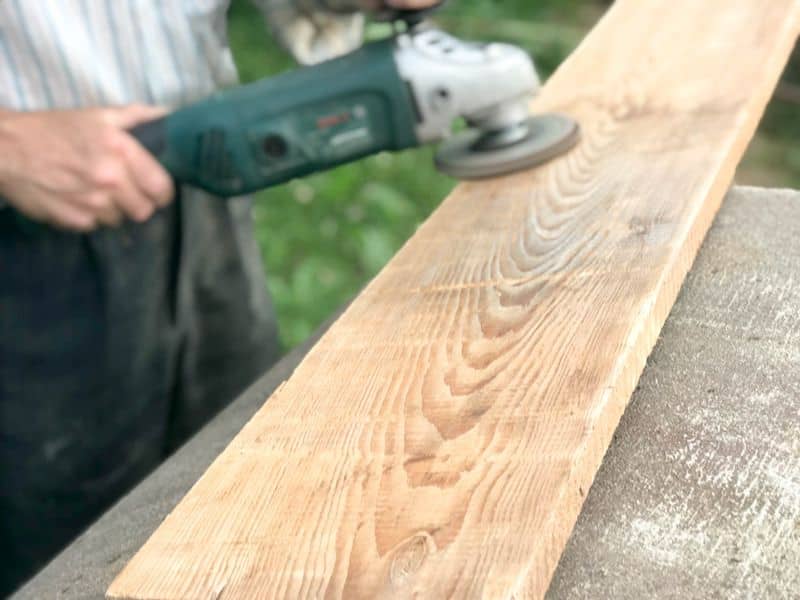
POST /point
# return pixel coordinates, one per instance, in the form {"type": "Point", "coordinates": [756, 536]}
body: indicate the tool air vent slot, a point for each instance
{"type": "Point", "coordinates": [213, 157]}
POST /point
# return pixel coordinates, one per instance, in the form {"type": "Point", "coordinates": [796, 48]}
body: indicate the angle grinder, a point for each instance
{"type": "Point", "coordinates": [396, 93]}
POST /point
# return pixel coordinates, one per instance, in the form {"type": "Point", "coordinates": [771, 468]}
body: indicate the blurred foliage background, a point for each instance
{"type": "Point", "coordinates": [325, 236]}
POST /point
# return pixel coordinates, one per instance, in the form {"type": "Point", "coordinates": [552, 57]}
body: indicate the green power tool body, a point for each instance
{"type": "Point", "coordinates": [393, 94]}
{"type": "Point", "coordinates": [308, 120]}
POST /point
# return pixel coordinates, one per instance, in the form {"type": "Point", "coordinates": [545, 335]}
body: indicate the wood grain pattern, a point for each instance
{"type": "Point", "coordinates": [438, 441]}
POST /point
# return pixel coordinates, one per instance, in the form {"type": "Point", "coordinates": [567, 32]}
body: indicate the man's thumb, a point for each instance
{"type": "Point", "coordinates": [132, 115]}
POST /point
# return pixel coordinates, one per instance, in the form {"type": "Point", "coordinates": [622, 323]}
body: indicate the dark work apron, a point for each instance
{"type": "Point", "coordinates": [115, 346]}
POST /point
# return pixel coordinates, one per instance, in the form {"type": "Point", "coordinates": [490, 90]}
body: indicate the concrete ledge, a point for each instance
{"type": "Point", "coordinates": [699, 495]}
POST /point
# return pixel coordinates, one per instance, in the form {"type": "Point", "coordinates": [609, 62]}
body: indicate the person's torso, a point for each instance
{"type": "Point", "coordinates": [78, 53]}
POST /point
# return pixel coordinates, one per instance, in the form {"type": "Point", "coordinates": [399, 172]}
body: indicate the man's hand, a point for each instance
{"type": "Point", "coordinates": [79, 169]}
{"type": "Point", "coordinates": [318, 30]}
{"type": "Point", "coordinates": [411, 4]}
{"type": "Point", "coordinates": [379, 5]}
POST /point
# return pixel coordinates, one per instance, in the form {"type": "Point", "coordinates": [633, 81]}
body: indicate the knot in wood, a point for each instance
{"type": "Point", "coordinates": [409, 557]}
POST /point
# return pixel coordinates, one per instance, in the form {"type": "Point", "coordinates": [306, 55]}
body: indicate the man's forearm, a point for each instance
{"type": "Point", "coordinates": [6, 148]}
{"type": "Point", "coordinates": [4, 114]}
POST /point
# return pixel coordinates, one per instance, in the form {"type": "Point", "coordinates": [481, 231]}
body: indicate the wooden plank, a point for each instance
{"type": "Point", "coordinates": [440, 438]}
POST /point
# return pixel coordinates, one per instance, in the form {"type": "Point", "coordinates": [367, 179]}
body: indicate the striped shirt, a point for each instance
{"type": "Point", "coordinates": [78, 53]}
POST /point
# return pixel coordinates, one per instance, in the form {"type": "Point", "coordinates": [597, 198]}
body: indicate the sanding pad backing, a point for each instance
{"type": "Point", "coordinates": [467, 156]}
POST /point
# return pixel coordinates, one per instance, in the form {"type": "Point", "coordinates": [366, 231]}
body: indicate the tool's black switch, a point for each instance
{"type": "Point", "coordinates": [275, 146]}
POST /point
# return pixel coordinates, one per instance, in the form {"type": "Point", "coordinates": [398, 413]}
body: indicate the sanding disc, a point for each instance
{"type": "Point", "coordinates": [475, 154]}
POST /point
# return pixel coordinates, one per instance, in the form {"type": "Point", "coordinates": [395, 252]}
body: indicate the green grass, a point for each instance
{"type": "Point", "coordinates": [325, 236]}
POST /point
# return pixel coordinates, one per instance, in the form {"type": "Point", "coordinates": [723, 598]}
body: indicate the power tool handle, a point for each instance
{"type": "Point", "coordinates": [152, 135]}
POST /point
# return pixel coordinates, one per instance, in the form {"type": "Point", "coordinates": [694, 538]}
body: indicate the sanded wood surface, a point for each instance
{"type": "Point", "coordinates": [440, 438]}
